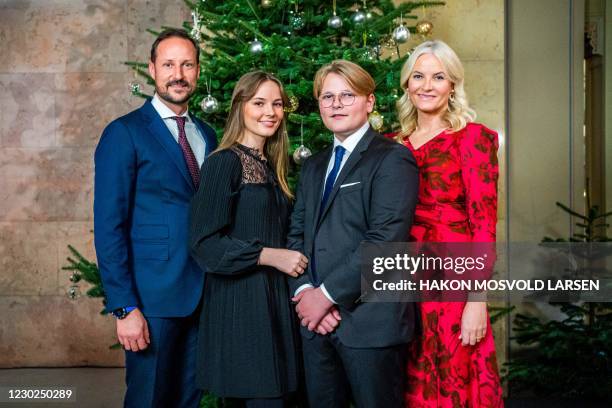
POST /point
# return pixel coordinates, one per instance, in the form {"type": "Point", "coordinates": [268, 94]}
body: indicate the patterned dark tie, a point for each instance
{"type": "Point", "coordinates": [190, 159]}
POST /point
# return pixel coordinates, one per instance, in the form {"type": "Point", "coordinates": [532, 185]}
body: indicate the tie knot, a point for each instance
{"type": "Point", "coordinates": [180, 120]}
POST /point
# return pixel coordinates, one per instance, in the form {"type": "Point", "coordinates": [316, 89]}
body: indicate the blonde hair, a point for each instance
{"type": "Point", "coordinates": [458, 113]}
{"type": "Point", "coordinates": [358, 78]}
{"type": "Point", "coordinates": [277, 145]}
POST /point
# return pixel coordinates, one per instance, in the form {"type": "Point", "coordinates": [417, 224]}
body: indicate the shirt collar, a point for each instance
{"type": "Point", "coordinates": [164, 111]}
{"type": "Point", "coordinates": [351, 142]}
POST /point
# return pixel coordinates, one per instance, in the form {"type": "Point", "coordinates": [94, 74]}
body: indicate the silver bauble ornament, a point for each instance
{"type": "Point", "coordinates": [255, 47]}
{"type": "Point", "coordinates": [209, 104]}
{"type": "Point", "coordinates": [359, 17]}
{"type": "Point", "coordinates": [267, 3]}
{"type": "Point", "coordinates": [301, 153]}
{"type": "Point", "coordinates": [376, 120]}
{"type": "Point", "coordinates": [334, 22]}
{"type": "Point", "coordinates": [401, 34]}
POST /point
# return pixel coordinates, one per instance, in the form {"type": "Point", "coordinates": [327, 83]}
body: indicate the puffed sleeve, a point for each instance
{"type": "Point", "coordinates": [480, 171]}
{"type": "Point", "coordinates": [212, 246]}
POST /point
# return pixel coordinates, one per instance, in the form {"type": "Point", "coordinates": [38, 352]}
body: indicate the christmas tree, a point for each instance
{"type": "Point", "coordinates": [292, 39]}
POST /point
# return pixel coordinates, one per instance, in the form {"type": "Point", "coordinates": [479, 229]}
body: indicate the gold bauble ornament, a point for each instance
{"type": "Point", "coordinates": [424, 27]}
{"type": "Point", "coordinates": [267, 3]}
{"type": "Point", "coordinates": [376, 120]}
{"type": "Point", "coordinates": [294, 104]}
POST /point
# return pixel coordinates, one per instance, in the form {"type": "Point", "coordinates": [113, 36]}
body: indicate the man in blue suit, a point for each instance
{"type": "Point", "coordinates": [147, 168]}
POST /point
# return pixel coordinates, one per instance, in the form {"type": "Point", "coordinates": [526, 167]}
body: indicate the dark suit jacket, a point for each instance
{"type": "Point", "coordinates": [378, 208]}
{"type": "Point", "coordinates": [141, 216]}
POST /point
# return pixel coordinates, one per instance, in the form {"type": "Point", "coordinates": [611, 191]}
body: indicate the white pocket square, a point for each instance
{"type": "Point", "coordinates": [350, 184]}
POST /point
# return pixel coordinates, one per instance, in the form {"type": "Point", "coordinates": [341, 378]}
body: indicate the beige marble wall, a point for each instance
{"type": "Point", "coordinates": [62, 79]}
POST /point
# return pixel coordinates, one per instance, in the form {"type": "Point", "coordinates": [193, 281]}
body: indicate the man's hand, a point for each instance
{"type": "Point", "coordinates": [312, 306]}
{"type": "Point", "coordinates": [329, 322]}
{"type": "Point", "coordinates": [133, 331]}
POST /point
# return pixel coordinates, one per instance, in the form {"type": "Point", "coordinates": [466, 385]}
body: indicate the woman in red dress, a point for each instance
{"type": "Point", "coordinates": [453, 362]}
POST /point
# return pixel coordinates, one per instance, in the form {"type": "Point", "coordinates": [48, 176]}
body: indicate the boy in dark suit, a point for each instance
{"type": "Point", "coordinates": [361, 188]}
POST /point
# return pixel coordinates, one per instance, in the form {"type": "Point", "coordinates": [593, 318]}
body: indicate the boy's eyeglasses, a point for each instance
{"type": "Point", "coordinates": [327, 100]}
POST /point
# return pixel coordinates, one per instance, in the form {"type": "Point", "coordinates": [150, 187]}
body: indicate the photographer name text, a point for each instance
{"type": "Point", "coordinates": [487, 285]}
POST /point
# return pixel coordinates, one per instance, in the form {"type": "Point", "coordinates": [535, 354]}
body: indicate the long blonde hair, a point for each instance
{"type": "Point", "coordinates": [458, 113]}
{"type": "Point", "coordinates": [277, 145]}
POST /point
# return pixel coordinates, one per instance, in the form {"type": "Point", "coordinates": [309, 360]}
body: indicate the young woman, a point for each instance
{"type": "Point", "coordinates": [248, 343]}
{"type": "Point", "coordinates": [453, 362]}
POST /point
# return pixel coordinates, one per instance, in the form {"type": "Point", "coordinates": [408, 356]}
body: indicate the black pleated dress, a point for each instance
{"type": "Point", "coordinates": [248, 339]}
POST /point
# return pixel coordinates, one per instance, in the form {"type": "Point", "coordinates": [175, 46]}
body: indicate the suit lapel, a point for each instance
{"type": "Point", "coordinates": [160, 131]}
{"type": "Point", "coordinates": [352, 161]}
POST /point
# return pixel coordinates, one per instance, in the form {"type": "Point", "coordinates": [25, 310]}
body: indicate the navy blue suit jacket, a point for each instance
{"type": "Point", "coordinates": [141, 216]}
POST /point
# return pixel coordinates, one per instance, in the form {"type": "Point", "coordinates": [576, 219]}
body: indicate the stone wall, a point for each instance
{"type": "Point", "coordinates": [63, 79]}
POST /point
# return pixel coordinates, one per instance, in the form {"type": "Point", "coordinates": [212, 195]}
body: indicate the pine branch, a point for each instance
{"type": "Point", "coordinates": [253, 10]}
{"type": "Point", "coordinates": [570, 211]}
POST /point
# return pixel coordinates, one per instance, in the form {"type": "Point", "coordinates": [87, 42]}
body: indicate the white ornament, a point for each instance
{"type": "Point", "coordinates": [401, 34]}
{"type": "Point", "coordinates": [209, 104]}
{"type": "Point", "coordinates": [334, 22]}
{"type": "Point", "coordinates": [255, 47]}
{"type": "Point", "coordinates": [301, 154]}
{"type": "Point", "coordinates": [358, 17]}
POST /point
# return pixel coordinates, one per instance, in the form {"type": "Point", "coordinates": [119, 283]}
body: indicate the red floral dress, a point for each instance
{"type": "Point", "coordinates": [457, 203]}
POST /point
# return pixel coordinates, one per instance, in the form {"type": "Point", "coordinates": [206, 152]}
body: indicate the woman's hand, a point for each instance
{"type": "Point", "coordinates": [473, 323]}
{"type": "Point", "coordinates": [293, 263]}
